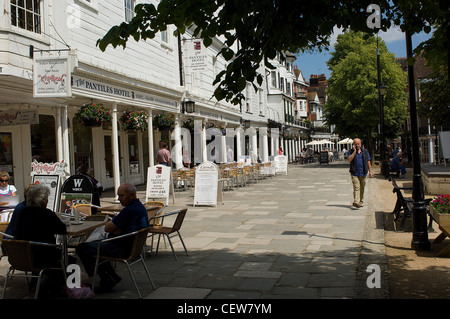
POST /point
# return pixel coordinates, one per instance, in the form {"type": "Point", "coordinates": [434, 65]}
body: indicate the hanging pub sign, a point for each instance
{"type": "Point", "coordinates": [51, 77]}
{"type": "Point", "coordinates": [196, 56]}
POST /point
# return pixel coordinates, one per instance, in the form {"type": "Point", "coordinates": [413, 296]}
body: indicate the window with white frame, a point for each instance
{"type": "Point", "coordinates": [273, 76]}
{"type": "Point", "coordinates": [164, 38]}
{"type": "Point", "coordinates": [129, 10]}
{"type": "Point", "coordinates": [26, 14]}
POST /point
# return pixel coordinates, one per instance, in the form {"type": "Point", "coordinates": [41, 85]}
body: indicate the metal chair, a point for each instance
{"type": "Point", "coordinates": [21, 257]}
{"type": "Point", "coordinates": [167, 231]}
{"type": "Point", "coordinates": [2, 236]}
{"type": "Point", "coordinates": [153, 213]}
{"type": "Point", "coordinates": [136, 255]}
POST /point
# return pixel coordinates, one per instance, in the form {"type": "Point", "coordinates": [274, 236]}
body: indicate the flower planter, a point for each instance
{"type": "Point", "coordinates": [441, 219]}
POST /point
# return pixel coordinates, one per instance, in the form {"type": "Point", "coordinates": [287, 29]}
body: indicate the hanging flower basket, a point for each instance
{"type": "Point", "coordinates": [219, 127]}
{"type": "Point", "coordinates": [134, 121]}
{"type": "Point", "coordinates": [93, 115]}
{"type": "Point", "coordinates": [164, 121]}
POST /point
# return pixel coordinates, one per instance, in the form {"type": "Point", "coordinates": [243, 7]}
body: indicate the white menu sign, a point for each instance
{"type": "Point", "coordinates": [206, 184]}
{"type": "Point", "coordinates": [52, 182]}
{"type": "Point", "coordinates": [158, 182]}
{"type": "Point", "coordinates": [281, 163]}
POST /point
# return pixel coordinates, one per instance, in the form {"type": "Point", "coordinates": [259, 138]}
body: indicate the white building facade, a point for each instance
{"type": "Point", "coordinates": [154, 76]}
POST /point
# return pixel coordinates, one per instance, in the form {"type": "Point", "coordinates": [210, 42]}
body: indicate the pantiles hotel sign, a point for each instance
{"type": "Point", "coordinates": [115, 91]}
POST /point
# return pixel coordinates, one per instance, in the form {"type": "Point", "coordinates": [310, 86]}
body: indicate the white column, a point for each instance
{"type": "Point", "coordinates": [177, 155]}
{"type": "Point", "coordinates": [265, 146]}
{"type": "Point", "coordinates": [204, 151]}
{"type": "Point", "coordinates": [115, 151]}
{"type": "Point", "coordinates": [151, 152]}
{"type": "Point", "coordinates": [65, 138]}
{"type": "Point", "coordinates": [254, 143]}
{"type": "Point", "coordinates": [224, 147]}
{"type": "Point", "coordinates": [59, 139]}
{"type": "Point", "coordinates": [238, 143]}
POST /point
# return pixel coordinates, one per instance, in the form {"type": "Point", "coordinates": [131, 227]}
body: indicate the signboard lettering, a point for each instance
{"type": "Point", "coordinates": [158, 182]}
{"type": "Point", "coordinates": [206, 184]}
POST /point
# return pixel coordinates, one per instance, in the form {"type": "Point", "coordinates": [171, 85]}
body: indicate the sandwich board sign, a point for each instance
{"type": "Point", "coordinates": [159, 183]}
{"type": "Point", "coordinates": [206, 184]}
{"type": "Point", "coordinates": [281, 163]}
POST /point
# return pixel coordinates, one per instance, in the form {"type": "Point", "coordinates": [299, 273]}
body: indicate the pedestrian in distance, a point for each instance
{"type": "Point", "coordinates": [360, 165]}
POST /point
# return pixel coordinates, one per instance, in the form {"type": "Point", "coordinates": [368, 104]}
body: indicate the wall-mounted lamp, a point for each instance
{"type": "Point", "coordinates": [188, 106]}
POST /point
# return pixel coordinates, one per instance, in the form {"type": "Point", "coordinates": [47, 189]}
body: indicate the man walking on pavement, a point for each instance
{"type": "Point", "coordinates": [359, 167]}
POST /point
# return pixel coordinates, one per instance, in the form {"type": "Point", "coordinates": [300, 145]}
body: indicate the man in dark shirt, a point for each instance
{"type": "Point", "coordinates": [359, 167]}
{"type": "Point", "coordinates": [132, 217]}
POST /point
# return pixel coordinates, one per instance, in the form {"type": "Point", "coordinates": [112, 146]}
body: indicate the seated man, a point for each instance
{"type": "Point", "coordinates": [132, 217]}
{"type": "Point", "coordinates": [397, 164]}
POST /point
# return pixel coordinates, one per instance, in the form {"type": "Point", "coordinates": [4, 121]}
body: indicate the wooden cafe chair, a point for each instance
{"type": "Point", "coordinates": [21, 257]}
{"type": "Point", "coordinates": [170, 231]}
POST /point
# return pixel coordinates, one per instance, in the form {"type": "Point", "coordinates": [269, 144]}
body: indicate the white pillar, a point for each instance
{"type": "Point", "coordinates": [254, 143]}
{"type": "Point", "coordinates": [265, 146]}
{"type": "Point", "coordinates": [223, 145]}
{"type": "Point", "coordinates": [177, 155]}
{"type": "Point", "coordinates": [59, 139]}
{"type": "Point", "coordinates": [115, 151]}
{"type": "Point", "coordinates": [151, 153]}
{"type": "Point", "coordinates": [238, 143]}
{"type": "Point", "coordinates": [204, 151]}
{"type": "Point", "coordinates": [65, 138]}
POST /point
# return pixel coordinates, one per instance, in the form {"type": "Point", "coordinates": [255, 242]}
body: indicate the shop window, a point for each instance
{"type": "Point", "coordinates": [43, 140]}
{"type": "Point", "coordinates": [82, 146]}
{"type": "Point", "coordinates": [133, 153]}
{"type": "Point", "coordinates": [6, 155]}
{"type": "Point", "coordinates": [109, 164]}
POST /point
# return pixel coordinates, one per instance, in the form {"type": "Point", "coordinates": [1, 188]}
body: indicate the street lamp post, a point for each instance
{"type": "Point", "coordinates": [382, 92]}
{"type": "Point", "coordinates": [419, 211]}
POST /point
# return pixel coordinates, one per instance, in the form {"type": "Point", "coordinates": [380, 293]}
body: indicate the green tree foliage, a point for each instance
{"type": "Point", "coordinates": [265, 27]}
{"type": "Point", "coordinates": [435, 99]}
{"type": "Point", "coordinates": [352, 89]}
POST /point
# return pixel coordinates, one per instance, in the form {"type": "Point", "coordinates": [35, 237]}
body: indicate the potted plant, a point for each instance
{"type": "Point", "coordinates": [133, 121]}
{"type": "Point", "coordinates": [164, 121]}
{"type": "Point", "coordinates": [93, 115]}
{"type": "Point", "coordinates": [440, 210]}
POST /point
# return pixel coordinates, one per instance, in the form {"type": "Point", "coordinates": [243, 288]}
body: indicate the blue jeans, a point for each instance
{"type": "Point", "coordinates": [401, 168]}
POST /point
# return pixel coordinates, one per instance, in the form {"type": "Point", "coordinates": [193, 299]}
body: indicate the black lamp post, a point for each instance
{"type": "Point", "coordinates": [419, 211]}
{"type": "Point", "coordinates": [381, 93]}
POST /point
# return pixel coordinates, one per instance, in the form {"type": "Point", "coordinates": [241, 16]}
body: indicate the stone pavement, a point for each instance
{"type": "Point", "coordinates": [287, 236]}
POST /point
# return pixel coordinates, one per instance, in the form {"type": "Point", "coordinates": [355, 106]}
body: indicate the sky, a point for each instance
{"type": "Point", "coordinates": [315, 63]}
